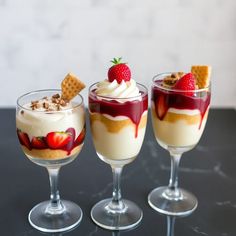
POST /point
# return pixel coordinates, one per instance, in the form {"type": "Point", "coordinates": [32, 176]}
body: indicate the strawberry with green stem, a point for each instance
{"type": "Point", "coordinates": [119, 71]}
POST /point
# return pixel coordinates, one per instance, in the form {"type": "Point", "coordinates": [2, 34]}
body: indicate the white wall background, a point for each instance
{"type": "Point", "coordinates": [42, 40]}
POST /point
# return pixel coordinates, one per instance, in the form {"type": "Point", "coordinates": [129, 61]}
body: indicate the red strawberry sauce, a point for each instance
{"type": "Point", "coordinates": [180, 101]}
{"type": "Point", "coordinates": [131, 109]}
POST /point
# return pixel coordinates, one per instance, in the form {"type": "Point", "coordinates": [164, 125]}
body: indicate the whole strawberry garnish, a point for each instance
{"type": "Point", "coordinates": [38, 143]}
{"type": "Point", "coordinates": [119, 71]}
{"type": "Point", "coordinates": [187, 82]}
{"type": "Point", "coordinates": [57, 140]}
{"type": "Point", "coordinates": [24, 139]}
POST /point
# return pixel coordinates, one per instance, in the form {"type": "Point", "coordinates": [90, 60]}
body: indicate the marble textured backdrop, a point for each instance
{"type": "Point", "coordinates": [41, 40]}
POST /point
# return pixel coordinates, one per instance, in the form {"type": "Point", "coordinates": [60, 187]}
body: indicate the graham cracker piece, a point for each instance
{"type": "Point", "coordinates": [71, 86]}
{"type": "Point", "coordinates": [202, 74]}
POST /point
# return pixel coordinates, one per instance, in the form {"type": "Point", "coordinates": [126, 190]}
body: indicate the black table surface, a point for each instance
{"type": "Point", "coordinates": [208, 171]}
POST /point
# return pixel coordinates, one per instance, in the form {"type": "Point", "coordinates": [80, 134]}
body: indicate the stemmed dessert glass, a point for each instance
{"type": "Point", "coordinates": [52, 139]}
{"type": "Point", "coordinates": [118, 128]}
{"type": "Point", "coordinates": [178, 118]}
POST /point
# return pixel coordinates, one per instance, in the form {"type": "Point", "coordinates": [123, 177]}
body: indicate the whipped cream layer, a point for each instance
{"type": "Point", "coordinates": [125, 91]}
{"type": "Point", "coordinates": [38, 123]}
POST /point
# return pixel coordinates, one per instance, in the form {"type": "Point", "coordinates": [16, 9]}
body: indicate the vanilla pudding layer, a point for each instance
{"type": "Point", "coordinates": [114, 137]}
{"type": "Point", "coordinates": [179, 128]}
{"type": "Point", "coordinates": [36, 123]}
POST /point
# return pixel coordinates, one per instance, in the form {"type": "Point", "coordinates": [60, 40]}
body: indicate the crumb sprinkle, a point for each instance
{"type": "Point", "coordinates": [170, 81]}
{"type": "Point", "coordinates": [53, 103]}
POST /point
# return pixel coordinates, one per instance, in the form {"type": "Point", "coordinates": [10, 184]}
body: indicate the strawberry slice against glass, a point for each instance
{"type": "Point", "coordinates": [24, 139]}
{"type": "Point", "coordinates": [70, 144]}
{"type": "Point", "coordinates": [161, 107]}
{"type": "Point", "coordinates": [80, 138]}
{"type": "Point", "coordinates": [38, 143]}
{"type": "Point", "coordinates": [56, 140]}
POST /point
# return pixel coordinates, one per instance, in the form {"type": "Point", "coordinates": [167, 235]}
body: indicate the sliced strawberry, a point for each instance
{"type": "Point", "coordinates": [57, 140]}
{"type": "Point", "coordinates": [70, 145]}
{"type": "Point", "coordinates": [24, 139]}
{"type": "Point", "coordinates": [80, 138]}
{"type": "Point", "coordinates": [38, 143]}
{"type": "Point", "coordinates": [187, 82]}
{"type": "Point", "coordinates": [72, 132]}
{"type": "Point", "coordinates": [161, 107]}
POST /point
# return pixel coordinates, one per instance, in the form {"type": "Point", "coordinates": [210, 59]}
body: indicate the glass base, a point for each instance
{"type": "Point", "coordinates": [70, 217]}
{"type": "Point", "coordinates": [182, 206]}
{"type": "Point", "coordinates": [128, 219]}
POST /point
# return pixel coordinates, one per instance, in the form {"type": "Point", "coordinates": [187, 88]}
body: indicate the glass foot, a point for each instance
{"type": "Point", "coordinates": [128, 219]}
{"type": "Point", "coordinates": [182, 206]}
{"type": "Point", "coordinates": [45, 222]}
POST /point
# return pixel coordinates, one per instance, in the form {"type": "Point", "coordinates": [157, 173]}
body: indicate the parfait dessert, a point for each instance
{"type": "Point", "coordinates": [180, 105]}
{"type": "Point", "coordinates": [179, 116]}
{"type": "Point", "coordinates": [118, 116]}
{"type": "Point", "coordinates": [51, 129]}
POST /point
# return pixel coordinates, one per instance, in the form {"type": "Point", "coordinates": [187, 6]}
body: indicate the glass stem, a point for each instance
{"type": "Point", "coordinates": [116, 204]}
{"type": "Point", "coordinates": [55, 206]}
{"type": "Point", "coordinates": [170, 225]}
{"type": "Point", "coordinates": [173, 191]}
{"type": "Point", "coordinates": [115, 233]}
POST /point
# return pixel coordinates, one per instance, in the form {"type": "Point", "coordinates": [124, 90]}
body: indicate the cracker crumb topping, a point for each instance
{"type": "Point", "coordinates": [54, 103]}
{"type": "Point", "coordinates": [169, 81]}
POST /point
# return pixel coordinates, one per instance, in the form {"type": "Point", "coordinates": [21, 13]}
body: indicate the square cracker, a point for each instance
{"type": "Point", "coordinates": [202, 74]}
{"type": "Point", "coordinates": [71, 86]}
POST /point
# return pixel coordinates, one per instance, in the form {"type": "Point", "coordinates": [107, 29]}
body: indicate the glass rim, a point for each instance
{"type": "Point", "coordinates": [48, 90]}
{"type": "Point", "coordinates": [176, 90]}
{"type": "Point", "coordinates": [120, 98]}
